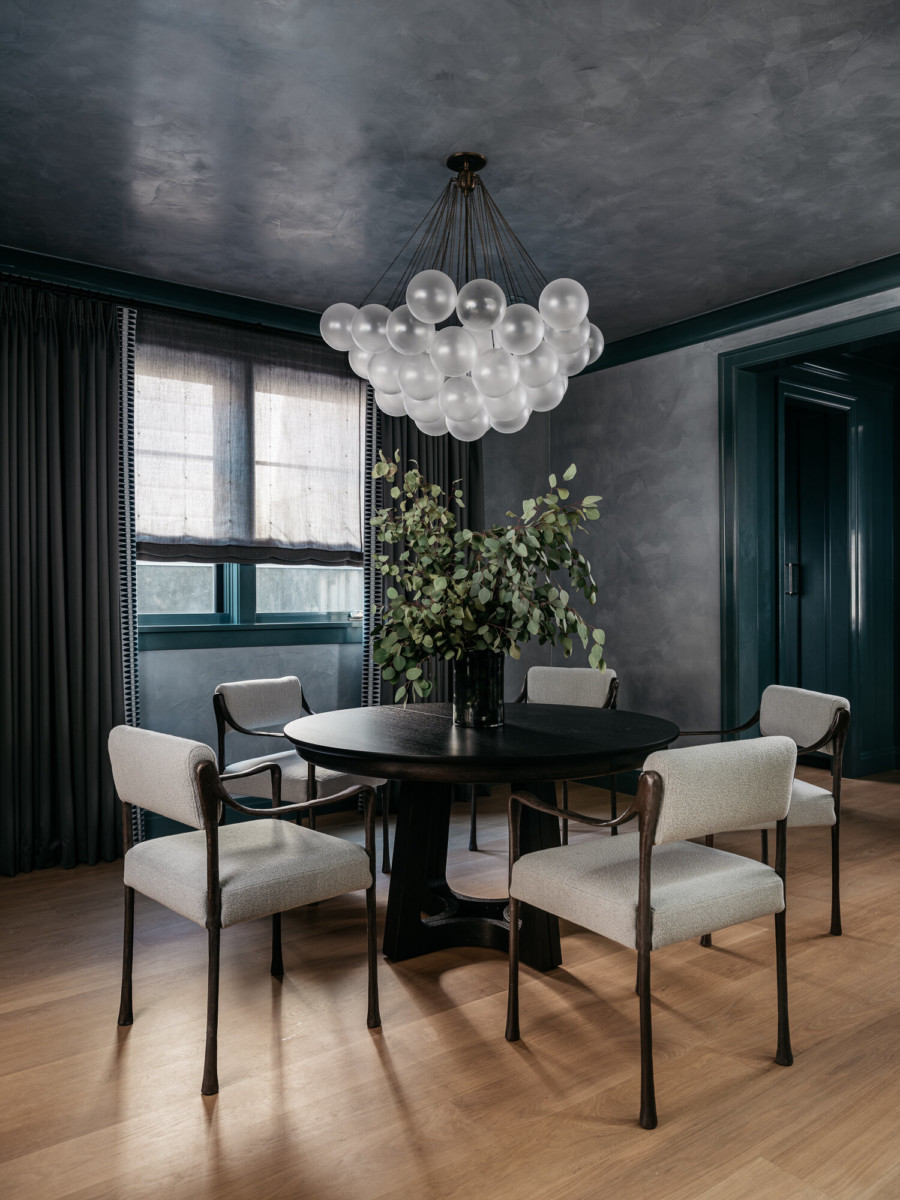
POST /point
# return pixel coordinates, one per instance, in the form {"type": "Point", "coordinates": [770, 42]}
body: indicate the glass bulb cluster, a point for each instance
{"type": "Point", "coordinates": [501, 363]}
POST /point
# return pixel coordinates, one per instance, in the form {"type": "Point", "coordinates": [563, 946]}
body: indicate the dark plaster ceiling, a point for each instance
{"type": "Point", "coordinates": [674, 155]}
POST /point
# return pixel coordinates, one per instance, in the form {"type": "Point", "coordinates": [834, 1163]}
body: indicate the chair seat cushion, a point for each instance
{"type": "Point", "coordinates": [265, 866]}
{"type": "Point", "coordinates": [810, 805]}
{"type": "Point", "coordinates": [694, 889]}
{"type": "Point", "coordinates": [293, 779]}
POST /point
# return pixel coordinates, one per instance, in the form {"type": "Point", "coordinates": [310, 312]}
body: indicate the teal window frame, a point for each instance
{"type": "Point", "coordinates": [239, 624]}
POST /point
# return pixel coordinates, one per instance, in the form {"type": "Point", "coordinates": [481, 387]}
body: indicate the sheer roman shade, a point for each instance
{"type": "Point", "coordinates": [249, 447]}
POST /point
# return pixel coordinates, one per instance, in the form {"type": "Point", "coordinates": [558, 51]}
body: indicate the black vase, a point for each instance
{"type": "Point", "coordinates": [478, 690]}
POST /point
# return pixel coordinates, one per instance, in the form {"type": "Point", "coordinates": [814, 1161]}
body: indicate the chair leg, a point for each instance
{"type": "Point", "coordinates": [783, 1055]}
{"type": "Point", "coordinates": [512, 997]}
{"type": "Point", "coordinates": [373, 1016]}
{"type": "Point", "coordinates": [385, 830]}
{"type": "Point", "coordinates": [565, 804]}
{"type": "Point", "coordinates": [613, 805]}
{"type": "Point", "coordinates": [836, 928]}
{"type": "Point", "coordinates": [764, 846]}
{"type": "Point", "coordinates": [648, 1117]}
{"type": "Point", "coordinates": [473, 813]}
{"type": "Point", "coordinates": [126, 1013]}
{"type": "Point", "coordinates": [706, 938]}
{"type": "Point", "coordinates": [277, 961]}
{"type": "Point", "coordinates": [210, 1084]}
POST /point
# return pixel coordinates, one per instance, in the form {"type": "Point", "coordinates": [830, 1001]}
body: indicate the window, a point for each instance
{"type": "Point", "coordinates": [249, 461]}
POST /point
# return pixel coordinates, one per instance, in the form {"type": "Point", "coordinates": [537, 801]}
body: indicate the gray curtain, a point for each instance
{"type": "Point", "coordinates": [61, 666]}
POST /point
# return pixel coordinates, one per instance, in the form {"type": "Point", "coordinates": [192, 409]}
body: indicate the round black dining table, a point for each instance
{"type": "Point", "coordinates": [420, 746]}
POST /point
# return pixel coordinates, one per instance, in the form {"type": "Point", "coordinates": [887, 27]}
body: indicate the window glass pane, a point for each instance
{"type": "Point", "coordinates": [309, 589]}
{"type": "Point", "coordinates": [166, 589]}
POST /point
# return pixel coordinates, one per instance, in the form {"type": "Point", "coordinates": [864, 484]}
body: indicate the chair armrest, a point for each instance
{"type": "Point", "coordinates": [304, 704]}
{"type": "Point", "coordinates": [531, 801]}
{"type": "Point", "coordinates": [522, 697]}
{"type": "Point", "coordinates": [301, 806]}
{"type": "Point", "coordinates": [275, 770]}
{"type": "Point", "coordinates": [720, 732]}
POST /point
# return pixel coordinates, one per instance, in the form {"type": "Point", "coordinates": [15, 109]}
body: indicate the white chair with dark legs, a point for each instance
{"type": "Point", "coordinates": [262, 707]}
{"type": "Point", "coordinates": [815, 721]}
{"type": "Point", "coordinates": [650, 889]}
{"type": "Point", "coordinates": [218, 875]}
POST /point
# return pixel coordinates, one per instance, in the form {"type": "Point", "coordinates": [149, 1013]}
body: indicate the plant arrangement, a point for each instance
{"type": "Point", "coordinates": [454, 591]}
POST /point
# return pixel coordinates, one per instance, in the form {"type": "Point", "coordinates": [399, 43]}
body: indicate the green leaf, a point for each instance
{"type": "Point", "coordinates": [553, 481]}
{"type": "Point", "coordinates": [570, 472]}
{"type": "Point", "coordinates": [400, 693]}
{"type": "Point", "coordinates": [484, 595]}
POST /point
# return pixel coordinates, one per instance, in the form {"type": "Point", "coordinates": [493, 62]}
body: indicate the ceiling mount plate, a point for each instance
{"type": "Point", "coordinates": [457, 162]}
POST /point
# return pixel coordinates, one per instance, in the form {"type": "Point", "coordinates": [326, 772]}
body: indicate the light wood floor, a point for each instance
{"type": "Point", "coordinates": [436, 1104]}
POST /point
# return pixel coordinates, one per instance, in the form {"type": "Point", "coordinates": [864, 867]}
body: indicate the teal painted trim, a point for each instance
{"type": "Point", "coordinates": [852, 284]}
{"type": "Point", "coordinates": [139, 289]}
{"type": "Point", "coordinates": [306, 633]}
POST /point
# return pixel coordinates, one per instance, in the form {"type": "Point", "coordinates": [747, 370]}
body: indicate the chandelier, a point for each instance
{"type": "Point", "coordinates": [471, 336]}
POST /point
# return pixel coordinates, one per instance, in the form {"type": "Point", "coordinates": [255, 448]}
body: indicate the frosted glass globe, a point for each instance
{"type": "Point", "coordinates": [383, 368]}
{"type": "Point", "coordinates": [571, 364]}
{"type": "Point", "coordinates": [406, 334]}
{"type": "Point", "coordinates": [460, 399]}
{"type": "Point", "coordinates": [359, 362]}
{"type": "Point", "coordinates": [514, 425]}
{"type": "Point", "coordinates": [568, 340]}
{"type": "Point", "coordinates": [369, 327]}
{"type": "Point", "coordinates": [508, 406]}
{"type": "Point", "coordinates": [595, 344]}
{"type": "Point", "coordinates": [431, 296]}
{"type": "Point", "coordinates": [392, 406]}
{"type": "Point", "coordinates": [481, 305]}
{"type": "Point", "coordinates": [335, 326]}
{"type": "Point", "coordinates": [422, 410]}
{"type": "Point", "coordinates": [563, 304]}
{"type": "Point", "coordinates": [548, 395]}
{"type": "Point", "coordinates": [418, 377]}
{"type": "Point", "coordinates": [495, 372]}
{"type": "Point", "coordinates": [432, 428]}
{"type": "Point", "coordinates": [521, 329]}
{"type": "Point", "coordinates": [453, 351]}
{"type": "Point", "coordinates": [471, 430]}
{"type": "Point", "coordinates": [484, 339]}
{"type": "Point", "coordinates": [539, 366]}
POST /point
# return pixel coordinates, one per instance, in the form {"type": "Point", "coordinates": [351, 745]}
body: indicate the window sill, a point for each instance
{"type": "Point", "coordinates": [322, 631]}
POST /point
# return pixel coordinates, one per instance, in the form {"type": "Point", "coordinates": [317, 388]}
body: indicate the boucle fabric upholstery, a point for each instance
{"type": "Point", "coordinates": [158, 772]}
{"type": "Point", "coordinates": [694, 889]}
{"type": "Point", "coordinates": [810, 805]}
{"type": "Point", "coordinates": [294, 774]}
{"type": "Point", "coordinates": [799, 714]}
{"type": "Point", "coordinates": [728, 785]}
{"type": "Point", "coordinates": [569, 685]}
{"type": "Point", "coordinates": [265, 866]}
{"type": "Point", "coordinates": [263, 703]}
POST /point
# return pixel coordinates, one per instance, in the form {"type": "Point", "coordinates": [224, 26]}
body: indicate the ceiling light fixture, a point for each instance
{"type": "Point", "coordinates": [471, 336]}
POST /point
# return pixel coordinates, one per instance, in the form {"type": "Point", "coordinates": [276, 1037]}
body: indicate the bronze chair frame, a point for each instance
{"type": "Point", "coordinates": [212, 797]}
{"type": "Point", "coordinates": [224, 721]}
{"type": "Point", "coordinates": [522, 698]}
{"type": "Point", "coordinates": [646, 808]}
{"type": "Point", "coordinates": [837, 735]}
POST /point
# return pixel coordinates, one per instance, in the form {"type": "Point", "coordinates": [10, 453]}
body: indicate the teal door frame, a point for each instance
{"type": "Point", "coordinates": [750, 564]}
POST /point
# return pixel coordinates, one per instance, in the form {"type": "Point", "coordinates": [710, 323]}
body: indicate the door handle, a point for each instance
{"type": "Point", "coordinates": [793, 579]}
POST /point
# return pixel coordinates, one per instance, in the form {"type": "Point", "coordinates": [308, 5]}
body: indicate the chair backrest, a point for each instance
{"type": "Point", "coordinates": [582, 686]}
{"type": "Point", "coordinates": [263, 703]}
{"type": "Point", "coordinates": [158, 772]}
{"type": "Point", "coordinates": [799, 714]}
{"type": "Point", "coordinates": [723, 786]}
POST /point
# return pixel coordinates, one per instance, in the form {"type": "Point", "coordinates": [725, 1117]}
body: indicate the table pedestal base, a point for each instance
{"type": "Point", "coordinates": [425, 914]}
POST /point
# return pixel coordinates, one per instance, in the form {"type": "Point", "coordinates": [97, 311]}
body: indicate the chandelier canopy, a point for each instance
{"type": "Point", "coordinates": [471, 336]}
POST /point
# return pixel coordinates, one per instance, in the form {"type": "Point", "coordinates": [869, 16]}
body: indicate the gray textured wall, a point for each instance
{"type": "Point", "coordinates": [177, 685]}
{"type": "Point", "coordinates": [644, 436]}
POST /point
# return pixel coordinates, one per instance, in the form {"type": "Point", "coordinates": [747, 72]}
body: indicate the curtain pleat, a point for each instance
{"type": "Point", "coordinates": [61, 667]}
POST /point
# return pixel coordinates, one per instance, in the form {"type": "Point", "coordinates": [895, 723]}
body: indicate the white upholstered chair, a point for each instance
{"type": "Point", "coordinates": [815, 721]}
{"type": "Point", "coordinates": [262, 707]}
{"type": "Point", "coordinates": [218, 875]}
{"type": "Point", "coordinates": [650, 889]}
